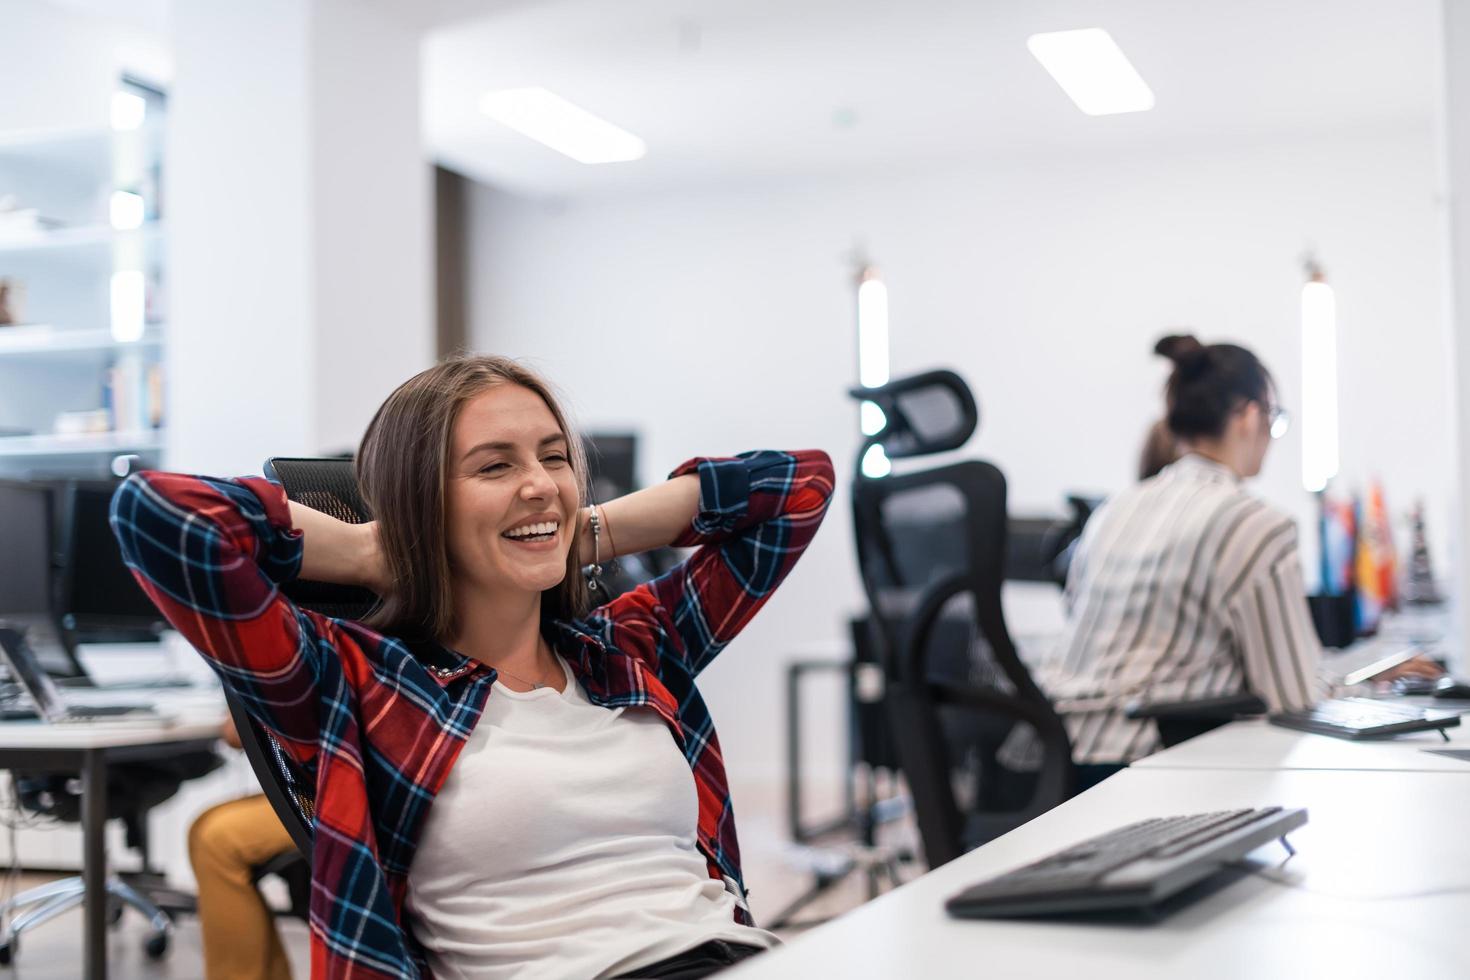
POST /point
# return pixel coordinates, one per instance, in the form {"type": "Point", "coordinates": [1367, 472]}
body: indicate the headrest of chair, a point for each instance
{"type": "Point", "coordinates": [327, 484]}
{"type": "Point", "coordinates": [924, 413]}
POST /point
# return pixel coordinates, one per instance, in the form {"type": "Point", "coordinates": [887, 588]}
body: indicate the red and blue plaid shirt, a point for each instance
{"type": "Point", "coordinates": [380, 723]}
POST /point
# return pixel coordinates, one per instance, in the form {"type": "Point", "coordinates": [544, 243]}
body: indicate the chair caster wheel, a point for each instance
{"type": "Point", "coordinates": [156, 946]}
{"type": "Point", "coordinates": [7, 950]}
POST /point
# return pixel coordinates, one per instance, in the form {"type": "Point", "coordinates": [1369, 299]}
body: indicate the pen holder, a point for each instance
{"type": "Point", "coordinates": [1335, 617]}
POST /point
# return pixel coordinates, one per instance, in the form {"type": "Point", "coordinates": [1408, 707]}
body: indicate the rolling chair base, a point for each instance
{"type": "Point", "coordinates": [38, 905]}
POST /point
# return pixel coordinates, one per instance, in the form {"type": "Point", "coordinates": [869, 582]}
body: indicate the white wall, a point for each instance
{"type": "Point", "coordinates": [299, 225]}
{"type": "Point", "coordinates": [373, 301]}
{"type": "Point", "coordinates": [1454, 125]}
{"type": "Point", "coordinates": [60, 66]}
{"type": "Point", "coordinates": [237, 189]}
{"type": "Point", "coordinates": [714, 321]}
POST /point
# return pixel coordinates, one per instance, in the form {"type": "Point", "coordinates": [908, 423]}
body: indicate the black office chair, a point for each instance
{"type": "Point", "coordinates": [327, 485]}
{"type": "Point", "coordinates": [932, 551]}
{"type": "Point", "coordinates": [1180, 721]}
{"type": "Point", "coordinates": [1040, 549]}
{"type": "Point", "coordinates": [133, 789]}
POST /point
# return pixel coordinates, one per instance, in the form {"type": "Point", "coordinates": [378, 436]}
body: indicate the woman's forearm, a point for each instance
{"type": "Point", "coordinates": [335, 551]}
{"type": "Point", "coordinates": [642, 520]}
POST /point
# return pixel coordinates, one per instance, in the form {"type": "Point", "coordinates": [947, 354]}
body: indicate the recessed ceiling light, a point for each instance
{"type": "Point", "coordinates": [549, 119]}
{"type": "Point", "coordinates": [1092, 70]}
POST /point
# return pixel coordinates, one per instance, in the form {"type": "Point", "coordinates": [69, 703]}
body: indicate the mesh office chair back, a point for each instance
{"type": "Point", "coordinates": [327, 485]}
{"type": "Point", "coordinates": [330, 486]}
{"type": "Point", "coordinates": [932, 551]}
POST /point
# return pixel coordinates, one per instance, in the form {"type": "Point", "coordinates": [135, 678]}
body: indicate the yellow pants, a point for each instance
{"type": "Point", "coordinates": [240, 938]}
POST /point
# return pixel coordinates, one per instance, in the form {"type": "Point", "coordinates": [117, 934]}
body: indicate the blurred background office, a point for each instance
{"type": "Point", "coordinates": [228, 230]}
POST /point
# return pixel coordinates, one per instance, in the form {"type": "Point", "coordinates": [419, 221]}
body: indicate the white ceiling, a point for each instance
{"type": "Point", "coordinates": [726, 90]}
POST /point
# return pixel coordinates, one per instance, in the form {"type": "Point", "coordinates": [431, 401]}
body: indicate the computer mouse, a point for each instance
{"type": "Point", "coordinates": [1452, 688]}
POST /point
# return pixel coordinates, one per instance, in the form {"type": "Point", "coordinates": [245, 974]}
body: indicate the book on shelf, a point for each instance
{"type": "Point", "coordinates": [133, 395]}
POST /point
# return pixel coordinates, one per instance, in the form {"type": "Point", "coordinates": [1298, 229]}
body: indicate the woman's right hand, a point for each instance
{"type": "Point", "coordinates": [1419, 666]}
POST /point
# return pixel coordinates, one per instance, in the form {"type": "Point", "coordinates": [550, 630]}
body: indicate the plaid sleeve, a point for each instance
{"type": "Point", "coordinates": [757, 513]}
{"type": "Point", "coordinates": [211, 554]}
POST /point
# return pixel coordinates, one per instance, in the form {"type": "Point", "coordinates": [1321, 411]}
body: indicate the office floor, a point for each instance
{"type": "Point", "coordinates": [775, 873]}
{"type": "Point", "coordinates": [51, 951]}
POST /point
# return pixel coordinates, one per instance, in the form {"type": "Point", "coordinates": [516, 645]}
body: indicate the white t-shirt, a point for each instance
{"type": "Point", "coordinates": [563, 845]}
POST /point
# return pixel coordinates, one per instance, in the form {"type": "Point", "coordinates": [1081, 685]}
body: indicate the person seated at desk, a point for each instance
{"type": "Point", "coordinates": [226, 842]}
{"type": "Point", "coordinates": [1186, 586]}
{"type": "Point", "coordinates": [510, 783]}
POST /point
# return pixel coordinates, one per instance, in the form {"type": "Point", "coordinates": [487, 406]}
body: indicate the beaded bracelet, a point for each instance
{"type": "Point", "coordinates": [594, 571]}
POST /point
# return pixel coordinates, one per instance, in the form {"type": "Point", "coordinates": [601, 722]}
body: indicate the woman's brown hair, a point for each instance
{"type": "Point", "coordinates": [403, 469]}
{"type": "Point", "coordinates": [1208, 383]}
{"type": "Point", "coordinates": [1160, 448]}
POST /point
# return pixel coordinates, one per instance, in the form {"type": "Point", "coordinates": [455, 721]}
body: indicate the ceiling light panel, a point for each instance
{"type": "Point", "coordinates": [1092, 70]}
{"type": "Point", "coordinates": [569, 129]}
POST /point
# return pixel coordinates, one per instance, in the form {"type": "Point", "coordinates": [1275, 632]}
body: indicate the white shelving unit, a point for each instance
{"type": "Point", "coordinates": [147, 441]}
{"type": "Point", "coordinates": [41, 340]}
{"type": "Point", "coordinates": [86, 236]}
{"type": "Point", "coordinates": [88, 350]}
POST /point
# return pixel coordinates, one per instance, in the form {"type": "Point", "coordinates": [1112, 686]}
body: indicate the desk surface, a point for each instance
{"type": "Point", "coordinates": [189, 714]}
{"type": "Point", "coordinates": [1261, 745]}
{"type": "Point", "coordinates": [1382, 903]}
{"type": "Point", "coordinates": [106, 734]}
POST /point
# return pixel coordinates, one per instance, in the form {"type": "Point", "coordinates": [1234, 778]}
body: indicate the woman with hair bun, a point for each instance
{"type": "Point", "coordinates": [1186, 586]}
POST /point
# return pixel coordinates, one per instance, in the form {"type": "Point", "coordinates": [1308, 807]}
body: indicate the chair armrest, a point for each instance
{"type": "Point", "coordinates": [1205, 709]}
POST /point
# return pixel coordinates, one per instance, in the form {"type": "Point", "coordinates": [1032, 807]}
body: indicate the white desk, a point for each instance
{"type": "Point", "coordinates": [1373, 841]}
{"type": "Point", "coordinates": [88, 749]}
{"type": "Point", "coordinates": [1260, 745]}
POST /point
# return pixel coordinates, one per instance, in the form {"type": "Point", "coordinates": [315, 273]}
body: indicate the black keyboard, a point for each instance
{"type": "Point", "coordinates": [1133, 867]}
{"type": "Point", "coordinates": [89, 711]}
{"type": "Point", "coordinates": [1365, 718]}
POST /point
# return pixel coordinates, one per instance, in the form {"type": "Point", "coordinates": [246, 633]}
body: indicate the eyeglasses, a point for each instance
{"type": "Point", "coordinates": [1280, 421]}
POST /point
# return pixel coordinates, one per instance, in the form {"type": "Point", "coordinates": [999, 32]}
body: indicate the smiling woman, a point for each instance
{"type": "Point", "coordinates": [508, 783]}
{"type": "Point", "coordinates": [434, 453]}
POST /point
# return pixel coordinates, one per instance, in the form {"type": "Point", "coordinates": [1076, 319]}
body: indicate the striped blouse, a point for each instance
{"type": "Point", "coordinates": [1183, 587]}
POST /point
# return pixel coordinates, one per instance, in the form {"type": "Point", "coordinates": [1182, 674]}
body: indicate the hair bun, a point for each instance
{"type": "Point", "coordinates": [1178, 347]}
{"type": "Point", "coordinates": [1191, 358]}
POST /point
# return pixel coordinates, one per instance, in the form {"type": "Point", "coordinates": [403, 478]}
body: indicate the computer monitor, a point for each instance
{"type": "Point", "coordinates": [612, 463]}
{"type": "Point", "coordinates": [612, 471]}
{"type": "Point", "coordinates": [25, 550]}
{"type": "Point", "coordinates": [98, 600]}
{"type": "Point", "coordinates": [27, 571]}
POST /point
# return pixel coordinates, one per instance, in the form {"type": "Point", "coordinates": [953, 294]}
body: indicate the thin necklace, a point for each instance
{"type": "Point", "coordinates": [535, 685]}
